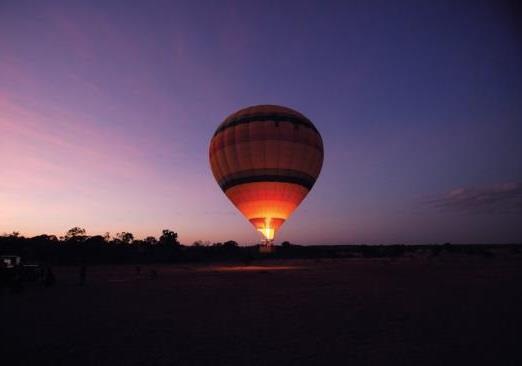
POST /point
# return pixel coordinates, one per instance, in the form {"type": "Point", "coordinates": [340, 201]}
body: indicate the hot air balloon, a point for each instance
{"type": "Point", "coordinates": [266, 158]}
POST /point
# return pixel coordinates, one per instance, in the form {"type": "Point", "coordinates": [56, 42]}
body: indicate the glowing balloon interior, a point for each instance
{"type": "Point", "coordinates": [266, 159]}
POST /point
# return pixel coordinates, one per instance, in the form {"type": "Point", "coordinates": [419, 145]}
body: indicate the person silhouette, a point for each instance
{"type": "Point", "coordinates": [49, 279]}
{"type": "Point", "coordinates": [83, 275]}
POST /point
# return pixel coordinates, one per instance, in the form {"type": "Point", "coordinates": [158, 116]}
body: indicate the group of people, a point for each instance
{"type": "Point", "coordinates": [15, 276]}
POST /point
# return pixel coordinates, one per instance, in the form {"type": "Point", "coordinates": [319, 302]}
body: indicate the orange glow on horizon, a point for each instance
{"type": "Point", "coordinates": [250, 268]}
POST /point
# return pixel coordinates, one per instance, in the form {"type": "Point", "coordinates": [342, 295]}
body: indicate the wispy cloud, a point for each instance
{"type": "Point", "coordinates": [502, 198]}
{"type": "Point", "coordinates": [50, 151]}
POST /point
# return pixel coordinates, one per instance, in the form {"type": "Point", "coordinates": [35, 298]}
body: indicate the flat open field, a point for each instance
{"type": "Point", "coordinates": [459, 310]}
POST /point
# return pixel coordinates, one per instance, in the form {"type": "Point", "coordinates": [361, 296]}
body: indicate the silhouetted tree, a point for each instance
{"type": "Point", "coordinates": [45, 238]}
{"type": "Point", "coordinates": [95, 241]}
{"type": "Point", "coordinates": [201, 243]}
{"type": "Point", "coordinates": [74, 232]}
{"type": "Point", "coordinates": [169, 238]}
{"type": "Point", "coordinates": [125, 237]}
{"type": "Point", "coordinates": [14, 234]}
{"type": "Point", "coordinates": [75, 235]}
{"type": "Point", "coordinates": [230, 244]}
{"type": "Point", "coordinates": [150, 240]}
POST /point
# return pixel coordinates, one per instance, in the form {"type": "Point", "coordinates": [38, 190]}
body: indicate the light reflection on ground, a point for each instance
{"type": "Point", "coordinates": [251, 268]}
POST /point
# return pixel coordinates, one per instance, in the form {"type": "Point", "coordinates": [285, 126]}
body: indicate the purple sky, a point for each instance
{"type": "Point", "coordinates": [107, 109]}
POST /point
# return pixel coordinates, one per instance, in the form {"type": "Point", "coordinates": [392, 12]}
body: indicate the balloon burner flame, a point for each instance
{"type": "Point", "coordinates": [267, 231]}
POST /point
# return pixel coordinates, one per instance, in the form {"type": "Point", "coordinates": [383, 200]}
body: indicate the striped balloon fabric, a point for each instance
{"type": "Point", "coordinates": [266, 159]}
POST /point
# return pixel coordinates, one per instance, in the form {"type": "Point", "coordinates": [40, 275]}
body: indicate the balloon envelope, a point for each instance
{"type": "Point", "coordinates": [266, 159]}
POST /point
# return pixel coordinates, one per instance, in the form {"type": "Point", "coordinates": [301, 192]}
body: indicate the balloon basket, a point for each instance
{"type": "Point", "coordinates": [266, 247]}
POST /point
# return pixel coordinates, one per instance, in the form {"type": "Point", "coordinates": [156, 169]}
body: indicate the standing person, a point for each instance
{"type": "Point", "coordinates": [4, 276]}
{"type": "Point", "coordinates": [17, 285]}
{"type": "Point", "coordinates": [83, 275]}
{"type": "Point", "coordinates": [49, 279]}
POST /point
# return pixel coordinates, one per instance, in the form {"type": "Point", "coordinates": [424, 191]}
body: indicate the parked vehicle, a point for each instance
{"type": "Point", "coordinates": [10, 261]}
{"type": "Point", "coordinates": [13, 271]}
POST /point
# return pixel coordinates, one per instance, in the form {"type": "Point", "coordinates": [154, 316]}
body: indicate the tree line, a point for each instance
{"type": "Point", "coordinates": [76, 247]}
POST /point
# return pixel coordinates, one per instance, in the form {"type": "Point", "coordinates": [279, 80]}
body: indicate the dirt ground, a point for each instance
{"type": "Point", "coordinates": [410, 311]}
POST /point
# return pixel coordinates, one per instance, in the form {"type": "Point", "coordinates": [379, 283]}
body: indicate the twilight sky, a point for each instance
{"type": "Point", "coordinates": [107, 109]}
